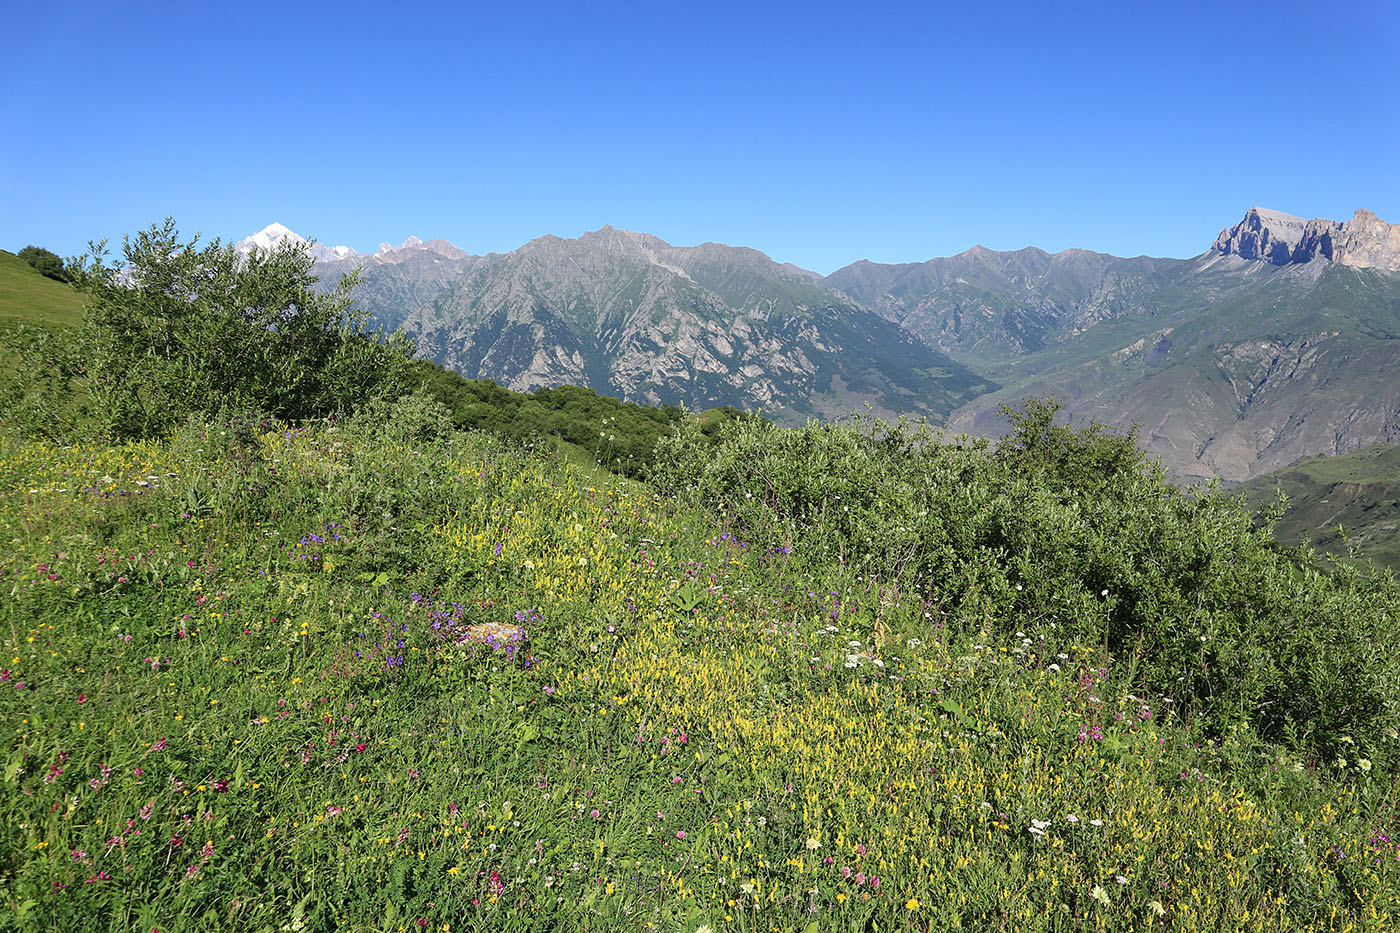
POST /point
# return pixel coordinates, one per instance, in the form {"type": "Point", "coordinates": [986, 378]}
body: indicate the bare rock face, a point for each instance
{"type": "Point", "coordinates": [1366, 240]}
{"type": "Point", "coordinates": [1263, 234]}
{"type": "Point", "coordinates": [1282, 239]}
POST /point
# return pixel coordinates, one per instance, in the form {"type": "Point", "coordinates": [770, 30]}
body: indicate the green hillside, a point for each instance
{"type": "Point", "coordinates": [1336, 504]}
{"type": "Point", "coordinates": [37, 357]}
{"type": "Point", "coordinates": [25, 295]}
{"type": "Point", "coordinates": [364, 671]}
{"type": "Point", "coordinates": [591, 429]}
{"type": "Point", "coordinates": [249, 675]}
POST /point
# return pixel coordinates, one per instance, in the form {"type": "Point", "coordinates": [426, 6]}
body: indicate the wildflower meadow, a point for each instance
{"type": "Point", "coordinates": [239, 693]}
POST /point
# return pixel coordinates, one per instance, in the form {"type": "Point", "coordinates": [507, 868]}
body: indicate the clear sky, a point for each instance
{"type": "Point", "coordinates": [818, 133]}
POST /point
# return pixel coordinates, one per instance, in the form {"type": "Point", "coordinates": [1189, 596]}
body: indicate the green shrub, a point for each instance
{"type": "Point", "coordinates": [177, 329]}
{"type": "Point", "coordinates": [1069, 536]}
{"type": "Point", "coordinates": [47, 263]}
{"type": "Point", "coordinates": [415, 419]}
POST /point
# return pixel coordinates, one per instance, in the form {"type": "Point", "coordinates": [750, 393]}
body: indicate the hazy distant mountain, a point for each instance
{"type": "Point", "coordinates": [1281, 341]}
{"type": "Point", "coordinates": [632, 316]}
{"type": "Point", "coordinates": [1254, 354]}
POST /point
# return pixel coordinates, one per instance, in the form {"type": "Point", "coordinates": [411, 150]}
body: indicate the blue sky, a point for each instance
{"type": "Point", "coordinates": [820, 133]}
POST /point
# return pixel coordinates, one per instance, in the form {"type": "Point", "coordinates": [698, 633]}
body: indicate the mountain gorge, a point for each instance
{"type": "Point", "coordinates": [1278, 342]}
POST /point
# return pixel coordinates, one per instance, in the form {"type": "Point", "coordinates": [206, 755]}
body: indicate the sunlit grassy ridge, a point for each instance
{"type": "Point", "coordinates": [27, 296]}
{"type": "Point", "coordinates": [235, 697]}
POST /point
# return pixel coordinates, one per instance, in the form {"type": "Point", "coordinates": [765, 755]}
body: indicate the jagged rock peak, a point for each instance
{"type": "Point", "coordinates": [1282, 239]}
{"type": "Point", "coordinates": [411, 243]}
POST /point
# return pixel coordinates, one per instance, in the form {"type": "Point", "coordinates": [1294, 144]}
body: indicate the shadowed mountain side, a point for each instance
{"type": "Point", "coordinates": [990, 309]}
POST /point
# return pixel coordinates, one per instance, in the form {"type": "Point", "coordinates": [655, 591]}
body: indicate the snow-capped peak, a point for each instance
{"type": "Point", "coordinates": [269, 237]}
{"type": "Point", "coordinates": [319, 252]}
{"type": "Point", "coordinates": [411, 243]}
{"type": "Point", "coordinates": [275, 234]}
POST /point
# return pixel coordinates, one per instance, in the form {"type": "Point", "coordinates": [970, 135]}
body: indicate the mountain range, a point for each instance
{"type": "Point", "coordinates": [1279, 341]}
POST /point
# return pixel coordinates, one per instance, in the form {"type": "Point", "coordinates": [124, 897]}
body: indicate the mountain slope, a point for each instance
{"type": "Point", "coordinates": [1277, 343]}
{"type": "Point", "coordinates": [1336, 503]}
{"type": "Point", "coordinates": [395, 284]}
{"type": "Point", "coordinates": [990, 309]}
{"type": "Point", "coordinates": [1246, 367]}
{"type": "Point", "coordinates": [629, 314]}
{"type": "Point", "coordinates": [1280, 342]}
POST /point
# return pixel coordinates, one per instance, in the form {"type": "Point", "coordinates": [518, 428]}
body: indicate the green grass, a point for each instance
{"type": "Point", "coordinates": [38, 318]}
{"type": "Point", "coordinates": [1339, 505]}
{"type": "Point", "coordinates": [25, 295]}
{"type": "Point", "coordinates": [1374, 464]}
{"type": "Point", "coordinates": [233, 697]}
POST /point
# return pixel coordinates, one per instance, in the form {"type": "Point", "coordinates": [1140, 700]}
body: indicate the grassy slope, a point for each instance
{"type": "Point", "coordinates": [1336, 503]}
{"type": "Point", "coordinates": [230, 701]}
{"type": "Point", "coordinates": [25, 295]}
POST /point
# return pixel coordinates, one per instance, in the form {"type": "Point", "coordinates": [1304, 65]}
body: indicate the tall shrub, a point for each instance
{"type": "Point", "coordinates": [175, 328]}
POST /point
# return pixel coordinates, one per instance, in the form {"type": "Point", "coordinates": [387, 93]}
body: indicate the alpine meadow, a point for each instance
{"type": "Point", "coordinates": [303, 633]}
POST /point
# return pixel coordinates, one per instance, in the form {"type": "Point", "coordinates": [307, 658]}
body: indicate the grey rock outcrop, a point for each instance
{"type": "Point", "coordinates": [1282, 239]}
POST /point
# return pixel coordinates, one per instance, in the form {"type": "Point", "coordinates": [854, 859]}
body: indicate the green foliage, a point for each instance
{"type": "Point", "coordinates": [176, 329]}
{"type": "Point", "coordinates": [1082, 460]}
{"type": "Point", "coordinates": [1069, 537]}
{"type": "Point", "coordinates": [43, 391]}
{"type": "Point", "coordinates": [236, 693]}
{"type": "Point", "coordinates": [412, 420]}
{"type": "Point", "coordinates": [47, 263]}
{"type": "Point", "coordinates": [620, 436]}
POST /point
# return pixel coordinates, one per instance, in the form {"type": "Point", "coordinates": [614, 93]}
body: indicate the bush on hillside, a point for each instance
{"type": "Point", "coordinates": [1060, 534]}
{"type": "Point", "coordinates": [413, 420]}
{"type": "Point", "coordinates": [620, 435]}
{"type": "Point", "coordinates": [177, 329]}
{"type": "Point", "coordinates": [1080, 459]}
{"type": "Point", "coordinates": [45, 262]}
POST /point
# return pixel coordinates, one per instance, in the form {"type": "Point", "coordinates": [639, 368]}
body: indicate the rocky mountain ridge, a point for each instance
{"type": "Point", "coordinates": [631, 315]}
{"type": "Point", "coordinates": [1280, 341]}
{"type": "Point", "coordinates": [1364, 241]}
